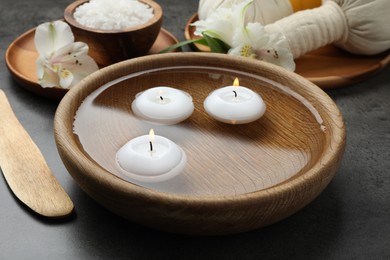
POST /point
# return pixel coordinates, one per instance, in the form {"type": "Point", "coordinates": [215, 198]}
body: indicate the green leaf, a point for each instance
{"type": "Point", "coordinates": [183, 43]}
{"type": "Point", "coordinates": [216, 45]}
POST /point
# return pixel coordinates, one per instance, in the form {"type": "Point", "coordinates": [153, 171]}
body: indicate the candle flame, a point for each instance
{"type": "Point", "coordinates": [151, 135]}
{"type": "Point", "coordinates": [236, 82]}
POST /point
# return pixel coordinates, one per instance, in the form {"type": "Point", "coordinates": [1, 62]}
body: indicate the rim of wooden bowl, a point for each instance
{"type": "Point", "coordinates": [314, 180]}
{"type": "Point", "coordinates": [69, 18]}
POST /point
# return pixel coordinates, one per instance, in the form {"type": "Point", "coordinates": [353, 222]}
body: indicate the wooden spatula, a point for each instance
{"type": "Point", "coordinates": [25, 169]}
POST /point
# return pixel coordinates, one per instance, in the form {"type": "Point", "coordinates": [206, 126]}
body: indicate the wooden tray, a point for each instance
{"type": "Point", "coordinates": [327, 67]}
{"type": "Point", "coordinates": [21, 55]}
{"type": "Point", "coordinates": [238, 177]}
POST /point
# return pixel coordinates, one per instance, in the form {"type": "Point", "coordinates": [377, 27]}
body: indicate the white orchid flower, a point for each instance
{"type": "Point", "coordinates": [61, 62]}
{"type": "Point", "coordinates": [222, 23]}
{"type": "Point", "coordinates": [255, 42]}
{"type": "Point", "coordinates": [247, 40]}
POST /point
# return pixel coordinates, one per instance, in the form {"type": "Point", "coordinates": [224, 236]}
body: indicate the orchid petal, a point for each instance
{"type": "Point", "coordinates": [219, 25]}
{"type": "Point", "coordinates": [224, 34]}
{"type": "Point", "coordinates": [73, 49]}
{"type": "Point", "coordinates": [66, 78]}
{"type": "Point", "coordinates": [52, 36]}
{"type": "Point", "coordinates": [253, 33]}
{"type": "Point", "coordinates": [244, 7]}
{"type": "Point", "coordinates": [85, 67]}
{"type": "Point", "coordinates": [257, 35]}
{"type": "Point", "coordinates": [40, 64]}
{"type": "Point", "coordinates": [255, 42]}
{"type": "Point", "coordinates": [49, 79]}
{"type": "Point", "coordinates": [222, 21]}
{"type": "Point", "coordinates": [70, 53]}
{"type": "Point", "coordinates": [281, 57]}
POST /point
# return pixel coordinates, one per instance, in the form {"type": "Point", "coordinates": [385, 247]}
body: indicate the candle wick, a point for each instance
{"type": "Point", "coordinates": [151, 146]}
{"type": "Point", "coordinates": [162, 99]}
{"type": "Point", "coordinates": [235, 93]}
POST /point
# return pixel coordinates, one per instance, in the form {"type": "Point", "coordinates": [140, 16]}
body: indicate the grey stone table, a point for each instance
{"type": "Point", "coordinates": [349, 220]}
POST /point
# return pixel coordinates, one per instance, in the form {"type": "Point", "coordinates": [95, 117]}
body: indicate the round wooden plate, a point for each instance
{"type": "Point", "coordinates": [328, 67]}
{"type": "Point", "coordinates": [237, 178]}
{"type": "Point", "coordinates": [21, 55]}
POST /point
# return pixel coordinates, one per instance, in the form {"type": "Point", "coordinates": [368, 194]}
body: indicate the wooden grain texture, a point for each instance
{"type": "Point", "coordinates": [328, 67]}
{"type": "Point", "coordinates": [114, 46]}
{"type": "Point", "coordinates": [25, 169]}
{"type": "Point", "coordinates": [301, 133]}
{"type": "Point", "coordinates": [223, 159]}
{"type": "Point", "coordinates": [21, 56]}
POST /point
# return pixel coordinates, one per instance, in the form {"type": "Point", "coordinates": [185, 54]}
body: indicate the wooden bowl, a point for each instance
{"type": "Point", "coordinates": [111, 46]}
{"type": "Point", "coordinates": [237, 178]}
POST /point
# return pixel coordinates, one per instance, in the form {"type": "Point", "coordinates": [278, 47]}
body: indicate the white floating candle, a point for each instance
{"type": "Point", "coordinates": [163, 105]}
{"type": "Point", "coordinates": [234, 104]}
{"type": "Point", "coordinates": [151, 158]}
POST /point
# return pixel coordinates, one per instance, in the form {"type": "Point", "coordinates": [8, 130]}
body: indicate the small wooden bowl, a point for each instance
{"type": "Point", "coordinates": [111, 46]}
{"type": "Point", "coordinates": [238, 177]}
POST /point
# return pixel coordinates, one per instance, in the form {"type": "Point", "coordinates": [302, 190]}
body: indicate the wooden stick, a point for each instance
{"type": "Point", "coordinates": [25, 169]}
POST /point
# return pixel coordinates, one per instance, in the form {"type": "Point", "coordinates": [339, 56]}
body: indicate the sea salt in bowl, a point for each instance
{"type": "Point", "coordinates": [115, 32]}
